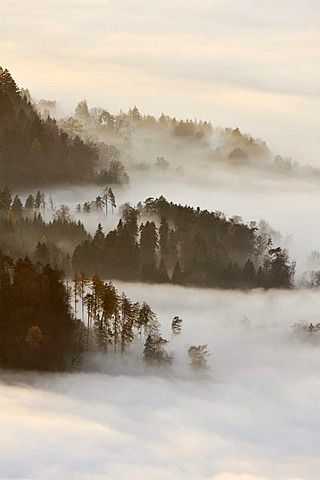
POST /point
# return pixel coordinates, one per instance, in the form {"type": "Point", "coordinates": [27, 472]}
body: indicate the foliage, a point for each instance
{"type": "Point", "coordinates": [190, 247]}
{"type": "Point", "coordinates": [36, 151]}
{"type": "Point", "coordinates": [37, 329]}
{"type": "Point", "coordinates": [198, 357]}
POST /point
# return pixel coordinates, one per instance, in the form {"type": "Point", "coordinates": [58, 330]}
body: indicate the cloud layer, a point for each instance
{"type": "Point", "coordinates": [254, 418]}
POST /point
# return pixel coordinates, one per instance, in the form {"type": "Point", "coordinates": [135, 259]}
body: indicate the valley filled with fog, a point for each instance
{"type": "Point", "coordinates": [252, 416]}
{"type": "Point", "coordinates": [100, 255]}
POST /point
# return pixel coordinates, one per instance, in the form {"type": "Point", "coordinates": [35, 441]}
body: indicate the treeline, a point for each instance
{"type": "Point", "coordinates": [157, 242]}
{"type": "Point", "coordinates": [123, 125]}
{"type": "Point", "coordinates": [24, 232]}
{"type": "Point", "coordinates": [114, 321]}
{"type": "Point", "coordinates": [186, 246]}
{"type": "Point", "coordinates": [39, 330]}
{"type": "Point", "coordinates": [36, 151]}
{"type": "Point", "coordinates": [126, 131]}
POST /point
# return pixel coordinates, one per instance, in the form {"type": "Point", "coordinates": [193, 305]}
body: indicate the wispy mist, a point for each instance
{"type": "Point", "coordinates": [289, 205]}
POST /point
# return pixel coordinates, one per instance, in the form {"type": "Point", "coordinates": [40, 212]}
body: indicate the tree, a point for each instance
{"type": "Point", "coordinates": [176, 325]}
{"type": "Point", "coordinates": [163, 237]}
{"type": "Point", "coordinates": [72, 127]}
{"type": "Point", "coordinates": [17, 207]}
{"type": "Point", "coordinates": [105, 198]}
{"type": "Point", "coordinates": [128, 316]}
{"type": "Point", "coordinates": [146, 319]}
{"type": "Point", "coordinates": [39, 200]}
{"type": "Point", "coordinates": [148, 241]}
{"type": "Point", "coordinates": [112, 199]}
{"type": "Point", "coordinates": [42, 254]}
{"type": "Point", "coordinates": [154, 352]}
{"type": "Point", "coordinates": [5, 200]}
{"type": "Point", "coordinates": [106, 121]}
{"type": "Point", "coordinates": [63, 214]}
{"type": "Point", "coordinates": [100, 313]}
{"type": "Point", "coordinates": [280, 270]}
{"type": "Point", "coordinates": [34, 336]}
{"type": "Point", "coordinates": [7, 84]}
{"type": "Point", "coordinates": [99, 237]}
{"type": "Point", "coordinates": [198, 357]}
{"type": "Point", "coordinates": [135, 115]}
{"type": "Point", "coordinates": [117, 173]}
{"type": "Point", "coordinates": [82, 113]}
{"type": "Point", "coordinates": [29, 204]}
{"type": "Point", "coordinates": [99, 203]}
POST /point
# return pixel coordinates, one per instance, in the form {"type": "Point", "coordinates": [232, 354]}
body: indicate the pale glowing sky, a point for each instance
{"type": "Point", "coordinates": [247, 63]}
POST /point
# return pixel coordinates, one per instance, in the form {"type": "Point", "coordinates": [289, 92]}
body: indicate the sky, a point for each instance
{"type": "Point", "coordinates": [246, 63]}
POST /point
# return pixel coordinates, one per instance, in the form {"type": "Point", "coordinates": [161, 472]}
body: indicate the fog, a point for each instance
{"type": "Point", "coordinates": [254, 417]}
{"type": "Point", "coordinates": [288, 205]}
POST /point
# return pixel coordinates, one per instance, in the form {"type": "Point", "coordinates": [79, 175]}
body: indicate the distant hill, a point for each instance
{"type": "Point", "coordinates": [35, 151]}
{"type": "Point", "coordinates": [97, 146]}
{"type": "Point", "coordinates": [150, 145]}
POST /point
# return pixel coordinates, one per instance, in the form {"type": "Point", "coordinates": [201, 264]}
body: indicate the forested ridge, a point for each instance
{"type": "Point", "coordinates": [34, 150]}
{"type": "Point", "coordinates": [97, 146]}
{"type": "Point", "coordinates": [156, 241]}
{"type": "Point", "coordinates": [187, 246]}
{"type": "Point", "coordinates": [39, 329]}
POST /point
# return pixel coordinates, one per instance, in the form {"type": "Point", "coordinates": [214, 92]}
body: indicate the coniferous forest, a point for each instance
{"type": "Point", "coordinates": [46, 249]}
{"type": "Point", "coordinates": [35, 151]}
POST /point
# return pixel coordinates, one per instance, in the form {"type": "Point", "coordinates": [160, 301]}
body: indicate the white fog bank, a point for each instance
{"type": "Point", "coordinates": [255, 417]}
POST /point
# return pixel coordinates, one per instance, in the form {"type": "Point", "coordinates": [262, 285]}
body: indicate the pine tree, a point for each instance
{"type": "Point", "coordinates": [198, 358]}
{"type": "Point", "coordinates": [17, 207]}
{"type": "Point", "coordinates": [127, 321]}
{"type": "Point", "coordinates": [111, 199]}
{"type": "Point", "coordinates": [154, 352]}
{"type": "Point", "coordinates": [29, 203]}
{"type": "Point", "coordinates": [176, 325]}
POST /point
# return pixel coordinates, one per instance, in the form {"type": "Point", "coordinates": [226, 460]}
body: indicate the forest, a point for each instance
{"type": "Point", "coordinates": [36, 151]}
{"type": "Point", "coordinates": [56, 304]}
{"type": "Point", "coordinates": [186, 246]}
{"type": "Point", "coordinates": [40, 146]}
{"type": "Point", "coordinates": [156, 242]}
{"type": "Point", "coordinates": [39, 329]}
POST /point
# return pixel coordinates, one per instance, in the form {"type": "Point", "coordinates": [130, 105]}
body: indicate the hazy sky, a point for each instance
{"type": "Point", "coordinates": [247, 63]}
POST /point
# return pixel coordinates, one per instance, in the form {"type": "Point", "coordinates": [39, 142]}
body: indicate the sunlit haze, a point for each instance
{"type": "Point", "coordinates": [247, 64]}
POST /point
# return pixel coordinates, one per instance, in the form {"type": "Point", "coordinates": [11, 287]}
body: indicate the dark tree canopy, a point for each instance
{"type": "Point", "coordinates": [37, 328]}
{"type": "Point", "coordinates": [186, 246]}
